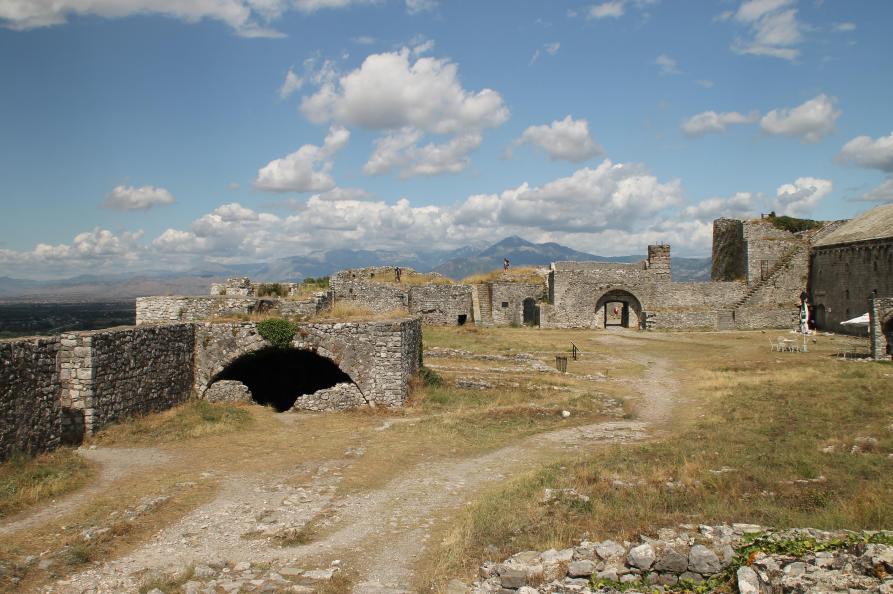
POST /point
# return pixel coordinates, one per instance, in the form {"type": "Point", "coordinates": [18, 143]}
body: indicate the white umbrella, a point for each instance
{"type": "Point", "coordinates": [860, 321]}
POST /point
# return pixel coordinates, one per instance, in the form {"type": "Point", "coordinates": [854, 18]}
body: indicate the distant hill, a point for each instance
{"type": "Point", "coordinates": [456, 264]}
{"type": "Point", "coordinates": [521, 252]}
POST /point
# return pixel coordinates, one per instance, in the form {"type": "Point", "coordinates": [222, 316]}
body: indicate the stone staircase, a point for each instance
{"type": "Point", "coordinates": [482, 304]}
{"type": "Point", "coordinates": [725, 320]}
{"type": "Point", "coordinates": [779, 266]}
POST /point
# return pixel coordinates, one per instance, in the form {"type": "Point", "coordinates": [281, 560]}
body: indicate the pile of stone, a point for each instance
{"type": "Point", "coordinates": [700, 555]}
{"type": "Point", "coordinates": [220, 576]}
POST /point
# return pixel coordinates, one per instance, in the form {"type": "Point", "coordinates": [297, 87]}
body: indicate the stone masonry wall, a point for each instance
{"type": "Point", "coordinates": [881, 314]}
{"type": "Point", "coordinates": [765, 244]}
{"type": "Point", "coordinates": [372, 287]}
{"type": "Point", "coordinates": [108, 375]}
{"type": "Point", "coordinates": [440, 305]}
{"type": "Point", "coordinates": [379, 356]}
{"type": "Point", "coordinates": [172, 310]}
{"type": "Point", "coordinates": [844, 277]}
{"type": "Point", "coordinates": [729, 250]}
{"type": "Point", "coordinates": [30, 415]}
{"type": "Point", "coordinates": [508, 301]}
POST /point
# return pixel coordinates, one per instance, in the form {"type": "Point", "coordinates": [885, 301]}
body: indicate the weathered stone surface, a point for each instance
{"type": "Point", "coordinates": [581, 568]}
{"type": "Point", "coordinates": [512, 578]}
{"type": "Point", "coordinates": [704, 561]}
{"type": "Point", "coordinates": [228, 391]}
{"type": "Point", "coordinates": [671, 560]}
{"type": "Point", "coordinates": [609, 549]}
{"type": "Point", "coordinates": [641, 556]}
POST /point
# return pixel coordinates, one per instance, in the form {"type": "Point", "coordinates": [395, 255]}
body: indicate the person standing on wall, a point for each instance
{"type": "Point", "coordinates": [397, 274]}
{"type": "Point", "coordinates": [505, 264]}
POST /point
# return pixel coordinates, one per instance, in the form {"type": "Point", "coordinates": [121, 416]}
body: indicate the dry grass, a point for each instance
{"type": "Point", "coordinates": [245, 317]}
{"type": "Point", "coordinates": [524, 274]}
{"type": "Point", "coordinates": [346, 310]}
{"type": "Point", "coordinates": [196, 418]}
{"type": "Point", "coordinates": [27, 481]}
{"type": "Point", "coordinates": [755, 423]}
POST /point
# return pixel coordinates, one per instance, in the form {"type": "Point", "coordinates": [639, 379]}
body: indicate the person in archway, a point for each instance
{"type": "Point", "coordinates": [615, 312]}
{"type": "Point", "coordinates": [505, 264]}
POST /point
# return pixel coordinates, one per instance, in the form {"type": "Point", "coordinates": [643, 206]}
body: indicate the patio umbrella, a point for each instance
{"type": "Point", "coordinates": [860, 321]}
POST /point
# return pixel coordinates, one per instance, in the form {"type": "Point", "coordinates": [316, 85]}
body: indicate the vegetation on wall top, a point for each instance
{"type": "Point", "coordinates": [277, 331]}
{"type": "Point", "coordinates": [792, 224]}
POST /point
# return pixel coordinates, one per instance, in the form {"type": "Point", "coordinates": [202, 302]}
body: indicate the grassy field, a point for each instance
{"type": "Point", "coordinates": [761, 437]}
{"type": "Point", "coordinates": [27, 481]}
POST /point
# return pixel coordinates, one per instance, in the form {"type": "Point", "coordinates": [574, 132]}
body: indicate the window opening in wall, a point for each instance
{"type": "Point", "coordinates": [462, 319]}
{"type": "Point", "coordinates": [505, 304]}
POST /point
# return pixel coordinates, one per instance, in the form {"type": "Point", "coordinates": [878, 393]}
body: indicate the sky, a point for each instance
{"type": "Point", "coordinates": [164, 135]}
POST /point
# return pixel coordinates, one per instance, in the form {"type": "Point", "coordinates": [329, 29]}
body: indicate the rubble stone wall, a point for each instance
{"type": "Point", "coordinates": [172, 310]}
{"type": "Point", "coordinates": [881, 315]}
{"type": "Point", "coordinates": [441, 305]}
{"type": "Point", "coordinates": [30, 413]}
{"type": "Point", "coordinates": [380, 357]}
{"type": "Point", "coordinates": [508, 301]}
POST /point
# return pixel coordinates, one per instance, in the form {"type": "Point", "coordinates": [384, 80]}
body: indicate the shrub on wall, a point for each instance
{"type": "Point", "coordinates": [792, 224]}
{"type": "Point", "coordinates": [272, 290]}
{"type": "Point", "coordinates": [277, 331]}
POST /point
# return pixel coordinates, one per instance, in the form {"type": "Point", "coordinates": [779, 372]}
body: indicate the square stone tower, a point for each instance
{"type": "Point", "coordinates": [658, 263]}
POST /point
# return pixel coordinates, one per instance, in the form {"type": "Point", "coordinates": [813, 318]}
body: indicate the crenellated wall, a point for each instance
{"type": "Point", "coordinates": [30, 412]}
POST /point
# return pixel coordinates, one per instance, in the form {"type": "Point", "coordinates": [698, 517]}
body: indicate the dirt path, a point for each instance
{"type": "Point", "coordinates": [376, 535]}
{"type": "Point", "coordinates": [115, 463]}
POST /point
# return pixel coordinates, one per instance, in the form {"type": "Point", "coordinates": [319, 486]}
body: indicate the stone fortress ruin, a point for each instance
{"type": "Point", "coordinates": [58, 389]}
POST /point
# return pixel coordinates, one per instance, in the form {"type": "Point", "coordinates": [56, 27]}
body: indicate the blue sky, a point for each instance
{"type": "Point", "coordinates": [146, 135]}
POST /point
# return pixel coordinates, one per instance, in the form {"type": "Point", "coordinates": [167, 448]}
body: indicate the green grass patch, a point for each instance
{"type": "Point", "coordinates": [26, 481]}
{"type": "Point", "coordinates": [196, 418]}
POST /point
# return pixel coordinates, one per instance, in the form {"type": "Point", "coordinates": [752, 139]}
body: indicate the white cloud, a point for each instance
{"type": "Point", "coordinates": [549, 48]}
{"type": "Point", "coordinates": [95, 251]}
{"type": "Point", "coordinates": [809, 121]}
{"type": "Point", "coordinates": [291, 84]}
{"type": "Point", "coordinates": [711, 121]}
{"type": "Point", "coordinates": [314, 5]}
{"type": "Point", "coordinates": [417, 6]}
{"type": "Point", "coordinates": [142, 198]}
{"type": "Point", "coordinates": [399, 150]}
{"type": "Point", "coordinates": [773, 29]}
{"type": "Point", "coordinates": [613, 9]}
{"type": "Point", "coordinates": [667, 64]}
{"type": "Point", "coordinates": [244, 16]}
{"type": "Point", "coordinates": [798, 199]}
{"type": "Point", "coordinates": [566, 139]}
{"type": "Point", "coordinates": [741, 204]}
{"type": "Point", "coordinates": [845, 27]}
{"type": "Point", "coordinates": [882, 193]}
{"type": "Point", "coordinates": [389, 92]}
{"type": "Point", "coordinates": [305, 170]}
{"type": "Point", "coordinates": [864, 151]}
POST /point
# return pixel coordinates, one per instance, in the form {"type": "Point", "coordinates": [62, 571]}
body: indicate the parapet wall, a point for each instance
{"type": "Point", "coordinates": [114, 374]}
{"type": "Point", "coordinates": [172, 310]}
{"type": "Point", "coordinates": [30, 417]}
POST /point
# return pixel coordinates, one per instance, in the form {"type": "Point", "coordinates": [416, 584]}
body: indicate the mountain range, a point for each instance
{"type": "Point", "coordinates": [455, 264]}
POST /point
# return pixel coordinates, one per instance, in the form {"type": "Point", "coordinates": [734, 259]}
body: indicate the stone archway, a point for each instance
{"type": "Point", "coordinates": [281, 377]}
{"type": "Point", "coordinates": [619, 307]}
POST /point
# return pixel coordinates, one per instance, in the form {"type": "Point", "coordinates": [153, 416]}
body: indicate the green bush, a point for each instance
{"type": "Point", "coordinates": [277, 331]}
{"type": "Point", "coordinates": [321, 282]}
{"type": "Point", "coordinates": [430, 377]}
{"type": "Point", "coordinates": [272, 290]}
{"type": "Point", "coordinates": [791, 224]}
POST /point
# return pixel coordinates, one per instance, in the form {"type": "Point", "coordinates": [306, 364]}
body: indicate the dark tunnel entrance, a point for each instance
{"type": "Point", "coordinates": [278, 377]}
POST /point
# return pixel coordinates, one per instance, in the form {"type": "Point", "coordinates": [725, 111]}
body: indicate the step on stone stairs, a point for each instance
{"type": "Point", "coordinates": [483, 314]}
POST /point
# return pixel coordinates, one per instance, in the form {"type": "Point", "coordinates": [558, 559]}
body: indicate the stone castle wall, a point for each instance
{"type": "Point", "coordinates": [843, 279]}
{"type": "Point", "coordinates": [30, 412]}
{"type": "Point", "coordinates": [108, 375]}
{"type": "Point", "coordinates": [508, 301]}
{"type": "Point", "coordinates": [441, 305]}
{"type": "Point", "coordinates": [379, 356]}
{"type": "Point", "coordinates": [766, 245]}
{"type": "Point", "coordinates": [729, 251]}
{"type": "Point", "coordinates": [881, 328]}
{"type": "Point", "coordinates": [373, 287]}
{"type": "Point", "coordinates": [172, 310]}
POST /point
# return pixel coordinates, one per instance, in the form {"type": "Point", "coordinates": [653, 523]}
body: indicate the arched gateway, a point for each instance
{"type": "Point", "coordinates": [619, 307]}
